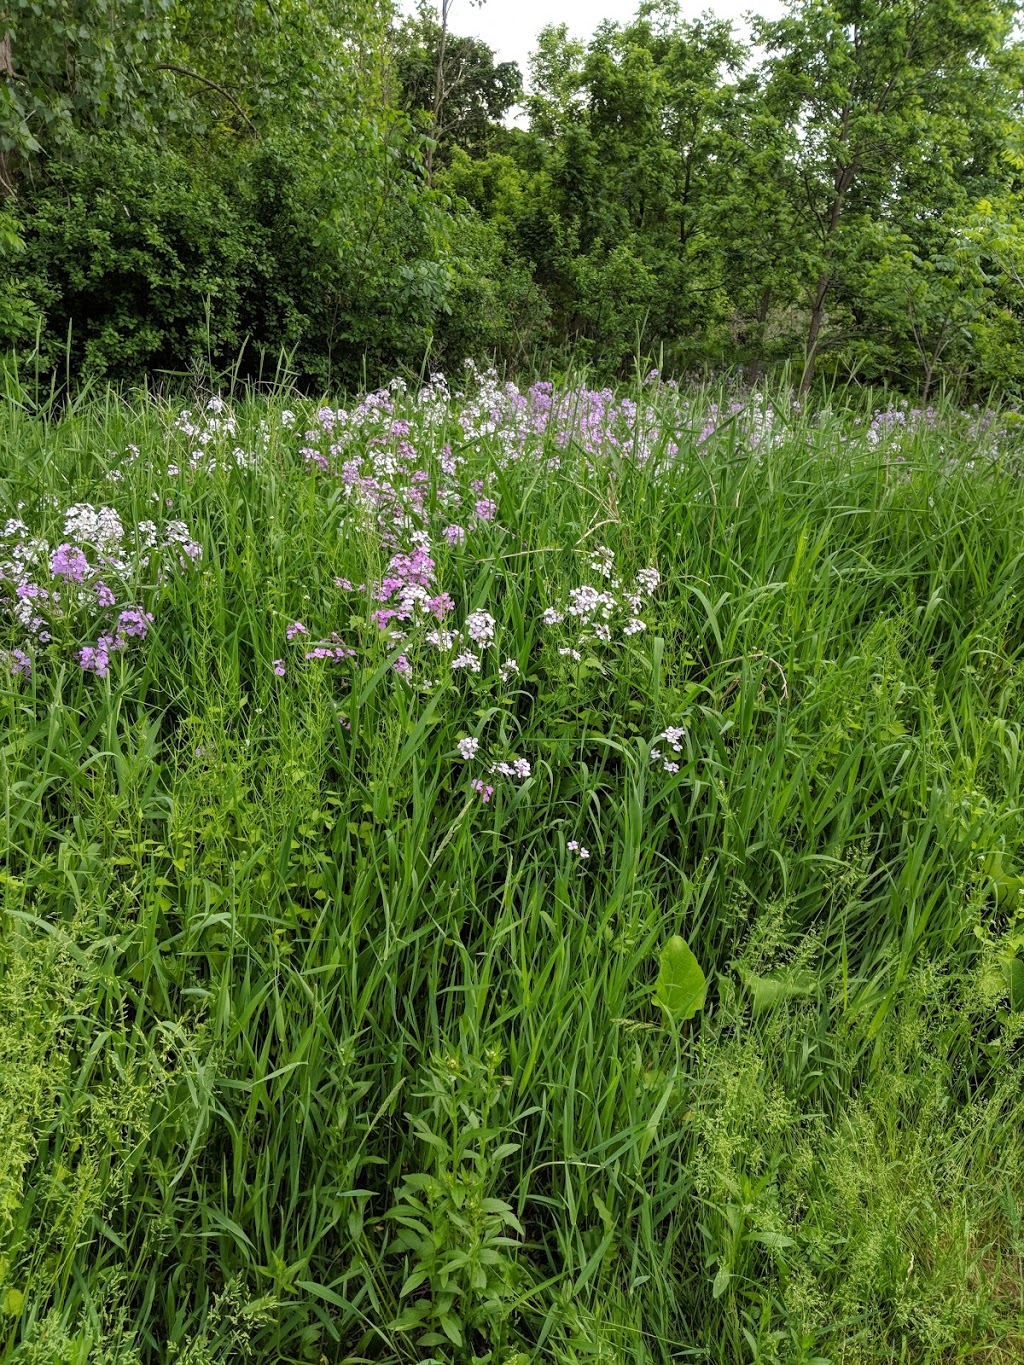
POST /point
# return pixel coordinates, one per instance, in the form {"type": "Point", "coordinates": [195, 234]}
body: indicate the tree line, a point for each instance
{"type": "Point", "coordinates": [336, 187]}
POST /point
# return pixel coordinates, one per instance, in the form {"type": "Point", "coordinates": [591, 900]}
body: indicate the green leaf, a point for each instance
{"type": "Point", "coordinates": [721, 1283]}
{"type": "Point", "coordinates": [681, 985]}
{"type": "Point", "coordinates": [768, 991]}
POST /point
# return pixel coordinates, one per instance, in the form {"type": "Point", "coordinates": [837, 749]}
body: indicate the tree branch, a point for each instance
{"type": "Point", "coordinates": [204, 80]}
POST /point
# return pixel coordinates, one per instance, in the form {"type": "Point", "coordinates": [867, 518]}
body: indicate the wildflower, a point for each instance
{"type": "Point", "coordinates": [17, 662]}
{"type": "Point", "coordinates": [584, 601]}
{"type": "Point", "coordinates": [485, 509]}
{"type": "Point", "coordinates": [135, 622]}
{"type": "Point", "coordinates": [484, 790]}
{"type": "Point", "coordinates": [572, 654]}
{"type": "Point", "coordinates": [296, 628]}
{"type": "Point", "coordinates": [402, 667]}
{"type": "Point", "coordinates": [467, 659]}
{"type": "Point", "coordinates": [648, 580]}
{"type": "Point", "coordinates": [67, 561]}
{"type": "Point", "coordinates": [440, 605]}
{"type": "Point", "coordinates": [574, 846]}
{"type": "Point", "coordinates": [602, 561]}
{"type": "Point", "coordinates": [670, 767]}
{"type": "Point", "coordinates": [508, 669]}
{"type": "Point", "coordinates": [674, 735]}
{"type": "Point", "coordinates": [634, 626]}
{"type": "Point", "coordinates": [279, 668]}
{"type": "Point", "coordinates": [104, 596]}
{"type": "Point", "coordinates": [551, 617]}
{"type": "Point", "coordinates": [99, 526]}
{"type": "Point", "coordinates": [335, 652]}
{"type": "Point", "coordinates": [96, 658]}
{"type": "Point", "coordinates": [468, 747]}
{"type": "Point", "coordinates": [480, 625]}
{"type": "Point", "coordinates": [455, 535]}
{"type": "Point", "coordinates": [519, 768]}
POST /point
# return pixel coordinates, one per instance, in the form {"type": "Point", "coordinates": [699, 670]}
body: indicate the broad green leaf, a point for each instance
{"type": "Point", "coordinates": [681, 985]}
{"type": "Point", "coordinates": [768, 991]}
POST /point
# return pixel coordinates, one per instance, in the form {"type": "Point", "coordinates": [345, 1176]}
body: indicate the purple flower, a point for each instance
{"type": "Point", "coordinates": [68, 561]}
{"type": "Point", "coordinates": [440, 605]}
{"type": "Point", "coordinates": [485, 792]}
{"type": "Point", "coordinates": [104, 596]}
{"type": "Point", "coordinates": [18, 662]}
{"type": "Point", "coordinates": [455, 535]}
{"type": "Point", "coordinates": [403, 667]}
{"type": "Point", "coordinates": [133, 622]}
{"type": "Point", "coordinates": [279, 667]}
{"type": "Point", "coordinates": [486, 509]}
{"type": "Point", "coordinates": [96, 658]}
{"type": "Point", "coordinates": [296, 628]}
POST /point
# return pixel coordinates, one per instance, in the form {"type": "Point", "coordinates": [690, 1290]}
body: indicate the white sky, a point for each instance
{"type": "Point", "coordinates": [510, 26]}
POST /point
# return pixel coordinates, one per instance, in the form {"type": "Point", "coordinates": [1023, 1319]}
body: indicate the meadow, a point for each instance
{"type": "Point", "coordinates": [501, 874]}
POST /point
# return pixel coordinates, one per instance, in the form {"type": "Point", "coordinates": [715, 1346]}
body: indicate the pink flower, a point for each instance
{"type": "Point", "coordinates": [279, 667]}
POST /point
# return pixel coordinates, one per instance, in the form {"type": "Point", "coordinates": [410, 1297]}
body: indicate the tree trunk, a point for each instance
{"type": "Point", "coordinates": [841, 186]}
{"type": "Point", "coordinates": [814, 332]}
{"type": "Point", "coordinates": [439, 91]}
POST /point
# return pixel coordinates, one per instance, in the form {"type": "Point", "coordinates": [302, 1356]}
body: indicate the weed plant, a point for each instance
{"type": "Point", "coordinates": [328, 1027]}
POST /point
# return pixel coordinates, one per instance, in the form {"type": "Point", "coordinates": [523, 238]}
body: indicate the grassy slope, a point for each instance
{"type": "Point", "coordinates": [266, 982]}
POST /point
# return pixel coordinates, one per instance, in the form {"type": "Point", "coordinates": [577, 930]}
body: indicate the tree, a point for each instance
{"type": "Point", "coordinates": [452, 82]}
{"type": "Point", "coordinates": [69, 65]}
{"type": "Point", "coordinates": [886, 99]}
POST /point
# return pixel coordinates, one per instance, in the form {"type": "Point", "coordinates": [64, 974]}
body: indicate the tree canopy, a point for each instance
{"type": "Point", "coordinates": [343, 185]}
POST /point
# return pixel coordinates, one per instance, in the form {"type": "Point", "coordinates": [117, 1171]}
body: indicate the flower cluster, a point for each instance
{"type": "Point", "coordinates": [673, 736]}
{"type": "Point", "coordinates": [600, 614]}
{"type": "Point", "coordinates": [86, 591]}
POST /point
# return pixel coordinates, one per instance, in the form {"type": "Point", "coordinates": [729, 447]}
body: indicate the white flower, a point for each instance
{"type": "Point", "coordinates": [468, 747]}
{"type": "Point", "coordinates": [467, 660]}
{"type": "Point", "coordinates": [675, 735]}
{"type": "Point", "coordinates": [480, 625]}
{"type": "Point", "coordinates": [634, 627]}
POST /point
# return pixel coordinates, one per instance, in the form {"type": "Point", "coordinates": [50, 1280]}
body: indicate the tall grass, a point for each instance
{"type": "Point", "coordinates": [307, 1053]}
